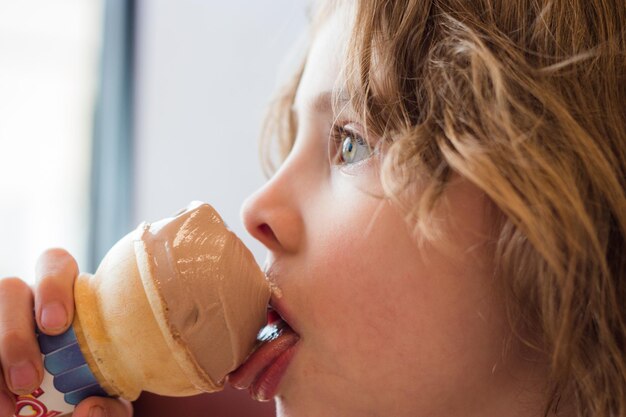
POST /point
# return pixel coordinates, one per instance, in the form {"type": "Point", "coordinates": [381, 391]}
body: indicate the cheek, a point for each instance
{"type": "Point", "coordinates": [363, 285]}
{"type": "Point", "coordinates": [382, 307]}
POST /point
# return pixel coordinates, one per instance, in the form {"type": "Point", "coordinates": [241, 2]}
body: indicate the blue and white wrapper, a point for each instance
{"type": "Point", "coordinates": [67, 379]}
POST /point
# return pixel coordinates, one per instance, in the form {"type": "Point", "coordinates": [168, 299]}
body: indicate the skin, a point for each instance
{"type": "Point", "coordinates": [388, 326]}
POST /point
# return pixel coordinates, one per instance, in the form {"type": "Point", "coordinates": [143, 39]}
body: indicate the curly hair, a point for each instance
{"type": "Point", "coordinates": [527, 100]}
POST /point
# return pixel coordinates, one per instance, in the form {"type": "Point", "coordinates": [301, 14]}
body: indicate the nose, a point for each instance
{"type": "Point", "coordinates": [272, 214]}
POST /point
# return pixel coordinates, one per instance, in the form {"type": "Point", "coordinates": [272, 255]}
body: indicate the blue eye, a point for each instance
{"type": "Point", "coordinates": [353, 147]}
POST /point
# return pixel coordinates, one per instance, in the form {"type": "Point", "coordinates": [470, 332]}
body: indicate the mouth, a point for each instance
{"type": "Point", "coordinates": [263, 370]}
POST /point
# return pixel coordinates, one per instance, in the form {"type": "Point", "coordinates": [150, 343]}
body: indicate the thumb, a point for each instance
{"type": "Point", "coordinates": [103, 407]}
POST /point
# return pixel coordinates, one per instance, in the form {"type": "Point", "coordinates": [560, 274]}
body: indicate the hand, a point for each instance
{"type": "Point", "coordinates": [20, 358]}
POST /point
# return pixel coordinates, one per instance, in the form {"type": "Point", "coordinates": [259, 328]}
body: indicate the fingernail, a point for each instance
{"type": "Point", "coordinates": [53, 316]}
{"type": "Point", "coordinates": [23, 376]}
{"type": "Point", "coordinates": [96, 411]}
{"type": "Point", "coordinates": [7, 405]}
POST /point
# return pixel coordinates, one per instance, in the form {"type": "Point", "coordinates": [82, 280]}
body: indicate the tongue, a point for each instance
{"type": "Point", "coordinates": [281, 337]}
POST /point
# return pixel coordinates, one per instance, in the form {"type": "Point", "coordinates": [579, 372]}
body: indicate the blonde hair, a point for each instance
{"type": "Point", "coordinates": [527, 100]}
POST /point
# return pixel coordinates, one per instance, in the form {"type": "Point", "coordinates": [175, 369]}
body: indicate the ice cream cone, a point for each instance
{"type": "Point", "coordinates": [172, 309]}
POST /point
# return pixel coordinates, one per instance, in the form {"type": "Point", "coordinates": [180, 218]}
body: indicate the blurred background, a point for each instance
{"type": "Point", "coordinates": [117, 111]}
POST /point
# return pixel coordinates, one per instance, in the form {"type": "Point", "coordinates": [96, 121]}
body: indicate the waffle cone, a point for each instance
{"type": "Point", "coordinates": [120, 335]}
{"type": "Point", "coordinates": [172, 309]}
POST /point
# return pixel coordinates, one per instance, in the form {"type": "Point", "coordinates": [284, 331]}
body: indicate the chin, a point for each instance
{"type": "Point", "coordinates": [315, 400]}
{"type": "Point", "coordinates": [302, 399]}
{"type": "Point", "coordinates": [286, 407]}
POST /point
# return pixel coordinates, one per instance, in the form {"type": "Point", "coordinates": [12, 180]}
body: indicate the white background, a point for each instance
{"type": "Point", "coordinates": [205, 72]}
{"type": "Point", "coordinates": [49, 60]}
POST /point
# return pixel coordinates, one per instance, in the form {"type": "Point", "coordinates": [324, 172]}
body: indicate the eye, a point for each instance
{"type": "Point", "coordinates": [350, 146]}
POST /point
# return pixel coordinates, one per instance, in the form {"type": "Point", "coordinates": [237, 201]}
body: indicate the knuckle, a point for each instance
{"type": "Point", "coordinates": [51, 287]}
{"type": "Point", "coordinates": [48, 279]}
{"type": "Point", "coordinates": [11, 286]}
{"type": "Point", "coordinates": [14, 339]}
{"type": "Point", "coordinates": [55, 263]}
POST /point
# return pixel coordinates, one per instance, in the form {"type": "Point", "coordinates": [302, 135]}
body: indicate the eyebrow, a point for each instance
{"type": "Point", "coordinates": [323, 102]}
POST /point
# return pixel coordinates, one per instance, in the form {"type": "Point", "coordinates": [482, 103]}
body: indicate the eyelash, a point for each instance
{"type": "Point", "coordinates": [338, 134]}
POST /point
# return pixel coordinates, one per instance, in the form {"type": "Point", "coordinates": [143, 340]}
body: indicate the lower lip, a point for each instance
{"type": "Point", "coordinates": [265, 387]}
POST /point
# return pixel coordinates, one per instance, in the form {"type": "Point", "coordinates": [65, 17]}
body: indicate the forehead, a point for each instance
{"type": "Point", "coordinates": [326, 55]}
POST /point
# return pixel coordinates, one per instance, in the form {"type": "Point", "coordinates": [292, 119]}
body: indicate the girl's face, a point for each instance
{"type": "Point", "coordinates": [387, 326]}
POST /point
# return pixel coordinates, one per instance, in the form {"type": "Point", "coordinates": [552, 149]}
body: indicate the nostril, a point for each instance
{"type": "Point", "coordinates": [267, 234]}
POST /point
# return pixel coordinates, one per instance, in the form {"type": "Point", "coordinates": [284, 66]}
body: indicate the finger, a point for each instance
{"type": "Point", "coordinates": [7, 400]}
{"type": "Point", "coordinates": [101, 407]}
{"type": "Point", "coordinates": [19, 351]}
{"type": "Point", "coordinates": [54, 297]}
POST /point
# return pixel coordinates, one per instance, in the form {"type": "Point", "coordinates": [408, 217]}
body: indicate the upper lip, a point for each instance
{"type": "Point", "coordinates": [276, 301]}
{"type": "Point", "coordinates": [278, 305]}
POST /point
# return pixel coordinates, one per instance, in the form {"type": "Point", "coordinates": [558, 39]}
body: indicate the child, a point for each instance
{"type": "Point", "coordinates": [447, 230]}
